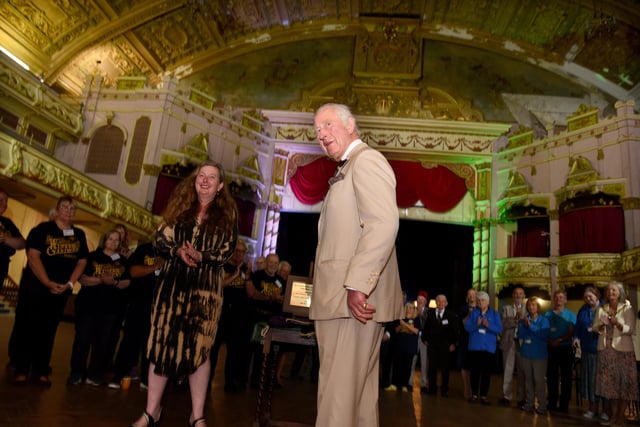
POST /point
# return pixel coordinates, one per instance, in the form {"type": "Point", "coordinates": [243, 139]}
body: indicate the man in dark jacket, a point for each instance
{"type": "Point", "coordinates": [441, 332]}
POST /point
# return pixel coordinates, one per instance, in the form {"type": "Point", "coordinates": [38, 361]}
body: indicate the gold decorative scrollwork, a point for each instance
{"type": "Point", "coordinates": [595, 268]}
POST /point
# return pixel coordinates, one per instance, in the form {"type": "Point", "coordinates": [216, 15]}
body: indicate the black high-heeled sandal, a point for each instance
{"type": "Point", "coordinates": [197, 421]}
{"type": "Point", "coordinates": [149, 419]}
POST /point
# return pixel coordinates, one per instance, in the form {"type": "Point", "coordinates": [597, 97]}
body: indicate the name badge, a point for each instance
{"type": "Point", "coordinates": [157, 272]}
{"type": "Point", "coordinates": [278, 284]}
{"type": "Point", "coordinates": [67, 233]}
{"type": "Point", "coordinates": [527, 341]}
{"type": "Point", "coordinates": [482, 331]}
{"type": "Point", "coordinates": [445, 322]}
{"type": "Point", "coordinates": [115, 257]}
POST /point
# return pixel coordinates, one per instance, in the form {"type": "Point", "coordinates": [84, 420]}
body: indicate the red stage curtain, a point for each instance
{"type": "Point", "coordinates": [439, 189]}
{"type": "Point", "coordinates": [532, 238]}
{"type": "Point", "coordinates": [164, 188]}
{"type": "Point", "coordinates": [246, 213]}
{"type": "Point", "coordinates": [311, 182]}
{"type": "Point", "coordinates": [597, 229]}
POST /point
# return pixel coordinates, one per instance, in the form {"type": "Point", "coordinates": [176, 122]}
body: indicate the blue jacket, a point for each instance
{"type": "Point", "coordinates": [533, 339]}
{"type": "Point", "coordinates": [481, 338]}
{"type": "Point", "coordinates": [588, 339]}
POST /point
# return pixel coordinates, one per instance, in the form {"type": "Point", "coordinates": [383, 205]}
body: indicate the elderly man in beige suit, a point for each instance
{"type": "Point", "coordinates": [356, 281]}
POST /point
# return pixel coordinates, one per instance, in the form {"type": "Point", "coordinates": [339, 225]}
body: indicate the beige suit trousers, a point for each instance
{"type": "Point", "coordinates": [348, 349]}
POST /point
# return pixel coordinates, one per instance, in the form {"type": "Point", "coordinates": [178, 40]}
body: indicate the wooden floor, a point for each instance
{"type": "Point", "coordinates": [75, 406]}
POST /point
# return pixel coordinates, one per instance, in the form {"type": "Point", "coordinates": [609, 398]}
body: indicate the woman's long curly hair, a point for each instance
{"type": "Point", "coordinates": [184, 205]}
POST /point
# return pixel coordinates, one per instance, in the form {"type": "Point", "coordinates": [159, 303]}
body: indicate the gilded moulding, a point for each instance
{"type": "Point", "coordinates": [39, 171]}
{"type": "Point", "coordinates": [630, 203]}
{"type": "Point", "coordinates": [528, 271]}
{"type": "Point", "coordinates": [22, 86]}
{"type": "Point", "coordinates": [631, 265]}
{"type": "Point", "coordinates": [596, 268]}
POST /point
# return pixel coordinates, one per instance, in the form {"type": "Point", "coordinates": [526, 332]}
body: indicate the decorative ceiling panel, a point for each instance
{"type": "Point", "coordinates": [66, 42]}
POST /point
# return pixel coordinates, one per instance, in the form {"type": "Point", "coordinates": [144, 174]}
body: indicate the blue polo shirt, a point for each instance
{"type": "Point", "coordinates": [559, 324]}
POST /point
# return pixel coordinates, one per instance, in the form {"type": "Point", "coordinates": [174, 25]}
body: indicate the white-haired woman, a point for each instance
{"type": "Point", "coordinates": [616, 376]}
{"type": "Point", "coordinates": [484, 326]}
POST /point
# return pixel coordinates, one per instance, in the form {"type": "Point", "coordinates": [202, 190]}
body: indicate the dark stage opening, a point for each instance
{"type": "Point", "coordinates": [432, 256]}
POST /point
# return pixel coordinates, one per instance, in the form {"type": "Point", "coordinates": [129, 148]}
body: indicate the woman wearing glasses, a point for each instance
{"type": "Point", "coordinates": [56, 257]}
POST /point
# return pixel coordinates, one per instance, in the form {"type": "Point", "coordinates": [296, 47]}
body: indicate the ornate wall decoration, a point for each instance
{"type": "Point", "coordinates": [300, 159]}
{"type": "Point", "coordinates": [388, 49]}
{"type": "Point", "coordinates": [631, 266]}
{"type": "Point", "coordinates": [630, 203]}
{"type": "Point", "coordinates": [39, 171]}
{"type": "Point", "coordinates": [23, 86]}
{"type": "Point", "coordinates": [293, 133]}
{"type": "Point", "coordinates": [443, 142]}
{"type": "Point", "coordinates": [583, 117]}
{"type": "Point", "coordinates": [524, 270]}
{"type": "Point", "coordinates": [589, 268]}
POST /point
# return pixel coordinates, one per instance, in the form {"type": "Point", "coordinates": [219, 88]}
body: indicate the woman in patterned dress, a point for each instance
{"type": "Point", "coordinates": [616, 376]}
{"type": "Point", "coordinates": [198, 235]}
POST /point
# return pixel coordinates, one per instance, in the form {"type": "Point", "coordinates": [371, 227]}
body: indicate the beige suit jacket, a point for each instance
{"type": "Point", "coordinates": [356, 240]}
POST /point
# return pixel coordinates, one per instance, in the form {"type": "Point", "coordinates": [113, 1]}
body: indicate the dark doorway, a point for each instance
{"type": "Point", "coordinates": [432, 256]}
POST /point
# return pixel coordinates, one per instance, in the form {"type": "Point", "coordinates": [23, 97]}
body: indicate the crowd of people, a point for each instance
{"type": "Point", "coordinates": [155, 312]}
{"type": "Point", "coordinates": [540, 352]}
{"type": "Point", "coordinates": [162, 310]}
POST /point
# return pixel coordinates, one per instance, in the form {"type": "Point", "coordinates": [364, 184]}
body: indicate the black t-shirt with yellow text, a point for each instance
{"type": "Point", "coordinates": [103, 298]}
{"type": "Point", "coordinates": [60, 251]}
{"type": "Point", "coordinates": [271, 286]}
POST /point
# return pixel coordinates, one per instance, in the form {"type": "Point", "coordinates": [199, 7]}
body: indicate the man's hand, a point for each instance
{"type": "Point", "coordinates": [360, 309]}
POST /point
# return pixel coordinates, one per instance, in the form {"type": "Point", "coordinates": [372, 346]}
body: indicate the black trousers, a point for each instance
{"type": "Point", "coordinates": [234, 329]}
{"type": "Point", "coordinates": [137, 324]}
{"type": "Point", "coordinates": [34, 331]}
{"type": "Point", "coordinates": [439, 356]}
{"type": "Point", "coordinates": [93, 330]}
{"type": "Point", "coordinates": [559, 369]}
{"type": "Point", "coordinates": [481, 363]}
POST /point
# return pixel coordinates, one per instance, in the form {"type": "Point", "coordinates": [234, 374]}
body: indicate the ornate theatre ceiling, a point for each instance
{"type": "Point", "coordinates": [449, 59]}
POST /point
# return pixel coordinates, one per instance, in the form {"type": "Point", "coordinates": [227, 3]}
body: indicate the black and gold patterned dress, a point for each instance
{"type": "Point", "coordinates": [187, 300]}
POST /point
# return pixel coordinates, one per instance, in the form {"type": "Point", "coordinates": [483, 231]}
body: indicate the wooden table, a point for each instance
{"type": "Point", "coordinates": [275, 336]}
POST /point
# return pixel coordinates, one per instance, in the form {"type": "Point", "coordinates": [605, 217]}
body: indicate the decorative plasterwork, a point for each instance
{"type": "Point", "coordinates": [31, 92]}
{"type": "Point", "coordinates": [521, 138]}
{"type": "Point", "coordinates": [596, 268]}
{"type": "Point", "coordinates": [387, 49]}
{"type": "Point", "coordinates": [583, 117]}
{"type": "Point", "coordinates": [517, 186]}
{"type": "Point", "coordinates": [440, 142]}
{"type": "Point", "coordinates": [295, 133]}
{"type": "Point", "coordinates": [151, 170]}
{"type": "Point", "coordinates": [518, 193]}
{"type": "Point", "coordinates": [630, 203]}
{"type": "Point", "coordinates": [593, 268]}
{"type": "Point", "coordinates": [581, 172]}
{"type": "Point", "coordinates": [193, 152]}
{"type": "Point", "coordinates": [528, 271]}
{"type": "Point", "coordinates": [45, 173]}
{"type": "Point", "coordinates": [583, 178]}
{"type": "Point", "coordinates": [631, 266]}
{"type": "Point", "coordinates": [300, 159]}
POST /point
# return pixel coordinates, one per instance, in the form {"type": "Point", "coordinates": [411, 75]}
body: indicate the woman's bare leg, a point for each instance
{"type": "Point", "coordinates": [198, 383]}
{"type": "Point", "coordinates": [157, 384]}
